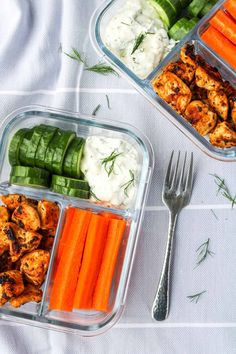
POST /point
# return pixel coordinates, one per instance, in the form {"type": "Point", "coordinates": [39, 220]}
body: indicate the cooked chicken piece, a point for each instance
{"type": "Point", "coordinates": [8, 235]}
{"type": "Point", "coordinates": [187, 56]}
{"type": "Point", "coordinates": [12, 201]}
{"type": "Point", "coordinates": [201, 117]}
{"type": "Point", "coordinates": [4, 215]}
{"type": "Point", "coordinates": [34, 266]}
{"type": "Point", "coordinates": [26, 216]}
{"type": "Point", "coordinates": [219, 101]}
{"type": "Point", "coordinates": [28, 240]}
{"type": "Point", "coordinates": [223, 136]}
{"type": "Point", "coordinates": [5, 262]}
{"type": "Point", "coordinates": [49, 214]}
{"type": "Point", "coordinates": [11, 284]}
{"type": "Point", "coordinates": [233, 108]}
{"type": "Point", "coordinates": [205, 80]}
{"type": "Point", "coordinates": [184, 71]}
{"type": "Point", "coordinates": [32, 202]}
{"type": "Point", "coordinates": [30, 293]}
{"type": "Point", "coordinates": [173, 90]}
{"type": "Point", "coordinates": [198, 93]}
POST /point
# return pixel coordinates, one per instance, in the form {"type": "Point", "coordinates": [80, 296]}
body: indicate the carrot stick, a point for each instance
{"type": "Point", "coordinates": [104, 283]}
{"type": "Point", "coordinates": [225, 25]}
{"type": "Point", "coordinates": [108, 215]}
{"type": "Point", "coordinates": [93, 252]}
{"type": "Point", "coordinates": [221, 45]}
{"type": "Point", "coordinates": [230, 6]}
{"type": "Point", "coordinates": [68, 269]}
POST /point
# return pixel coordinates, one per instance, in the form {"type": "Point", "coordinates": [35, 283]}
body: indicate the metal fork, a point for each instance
{"type": "Point", "coordinates": [176, 195]}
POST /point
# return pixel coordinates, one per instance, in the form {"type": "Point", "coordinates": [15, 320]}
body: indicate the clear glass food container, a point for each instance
{"type": "Point", "coordinates": [86, 323]}
{"type": "Point", "coordinates": [99, 21]}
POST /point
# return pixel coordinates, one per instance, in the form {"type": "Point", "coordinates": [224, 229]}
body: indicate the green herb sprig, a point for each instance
{"type": "Point", "coordinates": [139, 40]}
{"type": "Point", "coordinates": [204, 251]}
{"type": "Point", "coordinates": [128, 184]}
{"type": "Point", "coordinates": [195, 298]}
{"type": "Point", "coordinates": [109, 162]}
{"type": "Point", "coordinates": [223, 189]}
{"type": "Point", "coordinates": [75, 55]}
{"type": "Point", "coordinates": [92, 194]}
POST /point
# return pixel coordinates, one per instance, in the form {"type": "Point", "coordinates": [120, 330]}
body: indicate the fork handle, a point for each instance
{"type": "Point", "coordinates": [160, 306]}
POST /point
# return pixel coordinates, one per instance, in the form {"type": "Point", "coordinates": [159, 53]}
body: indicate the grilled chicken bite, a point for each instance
{"type": "Point", "coordinates": [12, 201]}
{"type": "Point", "coordinates": [184, 71]}
{"type": "Point", "coordinates": [34, 266]}
{"type": "Point", "coordinates": [49, 213]}
{"type": "Point", "coordinates": [173, 90]}
{"type": "Point", "coordinates": [30, 293]}
{"type": "Point", "coordinates": [188, 57]}
{"type": "Point", "coordinates": [219, 101]}
{"type": "Point", "coordinates": [201, 117]}
{"type": "Point", "coordinates": [26, 216]}
{"type": "Point", "coordinates": [205, 80]}
{"type": "Point", "coordinates": [4, 215]}
{"type": "Point", "coordinates": [11, 284]}
{"type": "Point", "coordinates": [233, 109]}
{"type": "Point", "coordinates": [223, 136]}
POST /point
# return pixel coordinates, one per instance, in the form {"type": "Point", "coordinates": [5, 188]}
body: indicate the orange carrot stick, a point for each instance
{"type": "Point", "coordinates": [103, 287]}
{"type": "Point", "coordinates": [92, 258]}
{"type": "Point", "coordinates": [230, 6]}
{"type": "Point", "coordinates": [68, 269]}
{"type": "Point", "coordinates": [225, 25]}
{"type": "Point", "coordinates": [221, 45]}
{"type": "Point", "coordinates": [108, 215]}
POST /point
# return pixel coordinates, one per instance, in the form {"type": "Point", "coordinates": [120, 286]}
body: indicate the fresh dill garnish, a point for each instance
{"type": "Point", "coordinates": [138, 42]}
{"type": "Point", "coordinates": [203, 251]}
{"type": "Point", "coordinates": [96, 110]}
{"type": "Point", "coordinates": [128, 184]}
{"type": "Point", "coordinates": [109, 161]}
{"type": "Point", "coordinates": [214, 214]}
{"type": "Point", "coordinates": [196, 297]}
{"type": "Point", "coordinates": [102, 68]}
{"type": "Point", "coordinates": [94, 195]}
{"type": "Point", "coordinates": [124, 23]}
{"type": "Point", "coordinates": [223, 189]}
{"type": "Point", "coordinates": [108, 102]}
{"type": "Point", "coordinates": [76, 56]}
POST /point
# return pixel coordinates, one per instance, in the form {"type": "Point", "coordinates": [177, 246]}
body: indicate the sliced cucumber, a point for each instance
{"type": "Point", "coordinates": [60, 151]}
{"type": "Point", "coordinates": [14, 147]}
{"type": "Point", "coordinates": [72, 192]}
{"type": "Point", "coordinates": [207, 7]}
{"type": "Point", "coordinates": [165, 11]}
{"type": "Point", "coordinates": [195, 7]}
{"type": "Point", "coordinates": [181, 28]}
{"type": "Point", "coordinates": [44, 142]}
{"type": "Point", "coordinates": [38, 131]}
{"type": "Point", "coordinates": [176, 4]}
{"type": "Point", "coordinates": [29, 181]}
{"type": "Point", "coordinates": [24, 147]}
{"type": "Point", "coordinates": [74, 146]}
{"type": "Point", "coordinates": [23, 171]}
{"type": "Point", "coordinates": [70, 182]}
{"type": "Point", "coordinates": [76, 161]}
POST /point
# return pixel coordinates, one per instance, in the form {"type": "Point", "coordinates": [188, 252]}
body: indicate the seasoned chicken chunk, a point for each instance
{"type": "Point", "coordinates": [5, 262]}
{"type": "Point", "coordinates": [49, 214]}
{"type": "Point", "coordinates": [233, 109]}
{"type": "Point", "coordinates": [30, 293]}
{"type": "Point", "coordinates": [12, 201]}
{"type": "Point", "coordinates": [11, 284]}
{"type": "Point", "coordinates": [198, 93]}
{"type": "Point", "coordinates": [184, 71]}
{"type": "Point", "coordinates": [9, 234]}
{"type": "Point", "coordinates": [201, 117]}
{"type": "Point", "coordinates": [4, 215]}
{"type": "Point", "coordinates": [223, 136]}
{"type": "Point", "coordinates": [219, 101]}
{"type": "Point", "coordinates": [34, 266]}
{"type": "Point", "coordinates": [28, 240]}
{"type": "Point", "coordinates": [187, 56]}
{"type": "Point", "coordinates": [205, 80]}
{"type": "Point", "coordinates": [173, 90]}
{"type": "Point", "coordinates": [26, 216]}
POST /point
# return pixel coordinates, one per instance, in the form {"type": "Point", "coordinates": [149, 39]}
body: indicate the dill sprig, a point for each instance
{"type": "Point", "coordinates": [76, 56]}
{"type": "Point", "coordinates": [203, 251]}
{"type": "Point", "coordinates": [96, 110]}
{"type": "Point", "coordinates": [138, 42]}
{"type": "Point", "coordinates": [128, 184]}
{"type": "Point", "coordinates": [92, 194]}
{"type": "Point", "coordinates": [223, 189]}
{"type": "Point", "coordinates": [196, 297]}
{"type": "Point", "coordinates": [102, 68]}
{"type": "Point", "coordinates": [108, 102]}
{"type": "Point", "coordinates": [109, 162]}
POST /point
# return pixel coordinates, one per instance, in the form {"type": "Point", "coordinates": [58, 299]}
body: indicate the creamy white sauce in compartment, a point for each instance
{"type": "Point", "coordinates": [137, 17]}
{"type": "Point", "coordinates": [113, 183]}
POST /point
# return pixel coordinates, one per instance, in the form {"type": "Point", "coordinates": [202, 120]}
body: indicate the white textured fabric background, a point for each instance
{"type": "Point", "coordinates": [33, 70]}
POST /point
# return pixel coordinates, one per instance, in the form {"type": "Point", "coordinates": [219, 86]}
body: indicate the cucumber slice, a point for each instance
{"type": "Point", "coordinates": [24, 147]}
{"type": "Point", "coordinates": [74, 146]}
{"type": "Point", "coordinates": [45, 140]}
{"type": "Point", "coordinates": [76, 161]}
{"type": "Point", "coordinates": [72, 192]}
{"type": "Point", "coordinates": [38, 131]}
{"type": "Point", "coordinates": [207, 7]}
{"type": "Point", "coordinates": [70, 182]}
{"type": "Point", "coordinates": [181, 28]}
{"type": "Point", "coordinates": [195, 7]}
{"type": "Point", "coordinates": [14, 147]}
{"type": "Point", "coordinates": [29, 181]}
{"type": "Point", "coordinates": [176, 4]}
{"type": "Point", "coordinates": [23, 171]}
{"type": "Point", "coordinates": [165, 11]}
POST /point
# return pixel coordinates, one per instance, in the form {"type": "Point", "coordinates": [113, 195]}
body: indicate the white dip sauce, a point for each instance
{"type": "Point", "coordinates": [111, 167]}
{"type": "Point", "coordinates": [134, 19]}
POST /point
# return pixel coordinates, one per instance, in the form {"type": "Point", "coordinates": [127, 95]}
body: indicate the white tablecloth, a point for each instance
{"type": "Point", "coordinates": [34, 70]}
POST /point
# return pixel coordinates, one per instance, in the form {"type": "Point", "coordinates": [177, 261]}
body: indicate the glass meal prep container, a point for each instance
{"type": "Point", "coordinates": [83, 322]}
{"type": "Point", "coordinates": [99, 22]}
